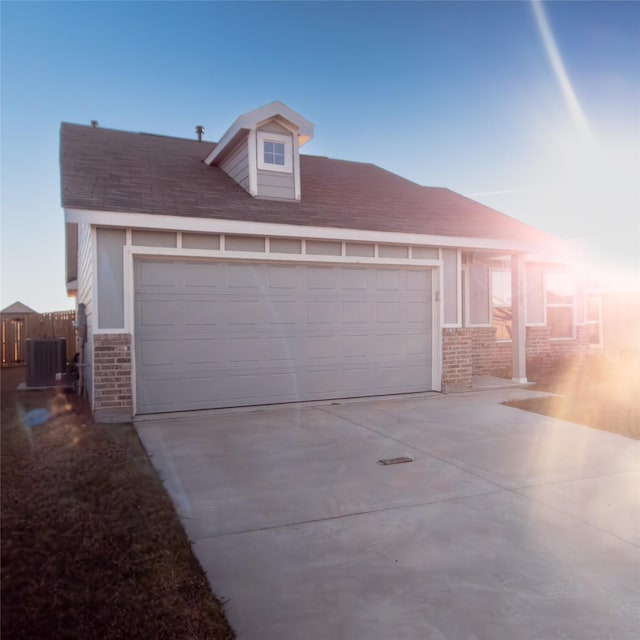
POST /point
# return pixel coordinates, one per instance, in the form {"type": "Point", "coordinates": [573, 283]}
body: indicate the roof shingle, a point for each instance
{"type": "Point", "coordinates": [109, 170]}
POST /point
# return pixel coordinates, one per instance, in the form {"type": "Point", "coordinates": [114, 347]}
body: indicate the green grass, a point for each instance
{"type": "Point", "coordinates": [601, 393]}
{"type": "Point", "coordinates": [91, 545]}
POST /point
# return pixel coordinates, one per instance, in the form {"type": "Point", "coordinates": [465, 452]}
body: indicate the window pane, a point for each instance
{"type": "Point", "coordinates": [501, 288]}
{"type": "Point", "coordinates": [560, 321]}
{"type": "Point", "coordinates": [479, 294]}
{"type": "Point", "coordinates": [559, 288]}
{"type": "Point", "coordinates": [502, 322]}
{"type": "Point", "coordinates": [268, 147]}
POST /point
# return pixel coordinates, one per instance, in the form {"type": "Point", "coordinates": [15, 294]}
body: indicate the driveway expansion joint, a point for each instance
{"type": "Point", "coordinates": [410, 505]}
{"type": "Point", "coordinates": [413, 446]}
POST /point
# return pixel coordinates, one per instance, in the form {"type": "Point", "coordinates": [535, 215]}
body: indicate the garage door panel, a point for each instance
{"type": "Point", "coordinates": [359, 311]}
{"type": "Point", "coordinates": [318, 347]}
{"type": "Point", "coordinates": [413, 345]}
{"type": "Point", "coordinates": [271, 333]}
{"type": "Point", "coordinates": [199, 276]}
{"type": "Point", "coordinates": [245, 312]}
{"type": "Point", "coordinates": [152, 353]}
{"type": "Point", "coordinates": [244, 276]}
{"type": "Point", "coordinates": [158, 313]}
{"type": "Point", "coordinates": [418, 312]}
{"type": "Point", "coordinates": [287, 312]}
{"type": "Point", "coordinates": [391, 311]}
{"type": "Point", "coordinates": [320, 278]}
{"type": "Point", "coordinates": [354, 279]}
{"type": "Point", "coordinates": [389, 279]}
{"type": "Point", "coordinates": [201, 351]}
{"type": "Point", "coordinates": [196, 312]}
{"type": "Point", "coordinates": [355, 346]}
{"type": "Point", "coordinates": [282, 277]}
{"type": "Point", "coordinates": [321, 312]}
{"type": "Point", "coordinates": [156, 274]}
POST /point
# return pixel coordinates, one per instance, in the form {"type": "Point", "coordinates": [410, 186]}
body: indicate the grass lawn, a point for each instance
{"type": "Point", "coordinates": [602, 393]}
{"type": "Point", "coordinates": [91, 545]}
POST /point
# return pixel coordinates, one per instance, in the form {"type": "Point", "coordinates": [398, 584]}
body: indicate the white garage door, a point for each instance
{"type": "Point", "coordinates": [216, 334]}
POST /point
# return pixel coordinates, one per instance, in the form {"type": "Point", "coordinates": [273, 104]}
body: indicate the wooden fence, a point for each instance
{"type": "Point", "coordinates": [17, 328]}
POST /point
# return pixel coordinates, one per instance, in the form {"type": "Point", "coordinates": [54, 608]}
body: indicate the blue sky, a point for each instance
{"type": "Point", "coordinates": [455, 94]}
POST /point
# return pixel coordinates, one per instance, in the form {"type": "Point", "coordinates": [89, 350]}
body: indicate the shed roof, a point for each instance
{"type": "Point", "coordinates": [110, 170]}
{"type": "Point", "coordinates": [17, 307]}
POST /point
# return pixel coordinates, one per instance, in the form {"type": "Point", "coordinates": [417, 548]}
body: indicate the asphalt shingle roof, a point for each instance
{"type": "Point", "coordinates": [109, 170]}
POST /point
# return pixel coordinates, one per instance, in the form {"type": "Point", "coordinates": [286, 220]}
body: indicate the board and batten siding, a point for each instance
{"type": "Point", "coordinates": [451, 287]}
{"type": "Point", "coordinates": [85, 296]}
{"type": "Point", "coordinates": [236, 165]}
{"type": "Point", "coordinates": [110, 303]}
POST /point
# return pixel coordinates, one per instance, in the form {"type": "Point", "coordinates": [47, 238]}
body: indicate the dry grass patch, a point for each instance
{"type": "Point", "coordinates": [601, 393]}
{"type": "Point", "coordinates": [91, 545]}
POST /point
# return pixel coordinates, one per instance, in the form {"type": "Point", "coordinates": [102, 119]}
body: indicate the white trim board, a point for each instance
{"type": "Point", "coordinates": [241, 227]}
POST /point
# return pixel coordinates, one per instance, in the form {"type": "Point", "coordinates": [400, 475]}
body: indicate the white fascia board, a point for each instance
{"type": "Point", "coordinates": [228, 139]}
{"type": "Point", "coordinates": [250, 121]}
{"type": "Point", "coordinates": [244, 227]}
{"type": "Point", "coordinates": [549, 258]}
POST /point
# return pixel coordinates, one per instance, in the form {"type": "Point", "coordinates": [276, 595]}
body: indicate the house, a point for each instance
{"type": "Point", "coordinates": [613, 319]}
{"type": "Point", "coordinates": [246, 273]}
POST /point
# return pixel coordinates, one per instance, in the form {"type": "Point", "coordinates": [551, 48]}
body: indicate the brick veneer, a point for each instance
{"type": "Point", "coordinates": [545, 352]}
{"type": "Point", "coordinates": [474, 351]}
{"type": "Point", "coordinates": [457, 368]}
{"type": "Point", "coordinates": [112, 371]}
{"type": "Point", "coordinates": [490, 358]}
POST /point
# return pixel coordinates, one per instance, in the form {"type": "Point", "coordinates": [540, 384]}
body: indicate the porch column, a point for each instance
{"type": "Point", "coordinates": [518, 331]}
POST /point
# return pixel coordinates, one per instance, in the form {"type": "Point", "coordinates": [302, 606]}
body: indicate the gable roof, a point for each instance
{"type": "Point", "coordinates": [110, 170]}
{"type": "Point", "coordinates": [252, 119]}
{"type": "Point", "coordinates": [18, 307]}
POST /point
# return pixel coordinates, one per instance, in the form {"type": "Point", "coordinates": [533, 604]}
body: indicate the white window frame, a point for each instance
{"type": "Point", "coordinates": [266, 136]}
{"type": "Point", "coordinates": [559, 305]}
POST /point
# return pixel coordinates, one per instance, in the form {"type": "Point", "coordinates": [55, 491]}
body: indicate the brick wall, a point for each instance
{"type": "Point", "coordinates": [112, 371]}
{"type": "Point", "coordinates": [543, 352]}
{"type": "Point", "coordinates": [457, 367]}
{"type": "Point", "coordinates": [490, 358]}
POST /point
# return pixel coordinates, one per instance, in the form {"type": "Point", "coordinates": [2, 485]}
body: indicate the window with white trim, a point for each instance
{"type": "Point", "coordinates": [594, 320]}
{"type": "Point", "coordinates": [560, 300]}
{"type": "Point", "coordinates": [501, 303]}
{"type": "Point", "coordinates": [274, 152]}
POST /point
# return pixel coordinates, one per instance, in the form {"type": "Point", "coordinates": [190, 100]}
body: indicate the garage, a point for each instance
{"type": "Point", "coordinates": [212, 334]}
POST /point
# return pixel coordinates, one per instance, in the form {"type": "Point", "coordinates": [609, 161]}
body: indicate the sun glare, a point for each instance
{"type": "Point", "coordinates": [590, 180]}
{"type": "Point", "coordinates": [557, 64]}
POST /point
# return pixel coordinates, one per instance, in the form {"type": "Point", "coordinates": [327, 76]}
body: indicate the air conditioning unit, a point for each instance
{"type": "Point", "coordinates": [46, 357]}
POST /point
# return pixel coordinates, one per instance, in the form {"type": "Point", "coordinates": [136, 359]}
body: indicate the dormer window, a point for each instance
{"type": "Point", "coordinates": [274, 152]}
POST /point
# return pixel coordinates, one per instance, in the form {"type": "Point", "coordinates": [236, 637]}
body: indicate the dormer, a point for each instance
{"type": "Point", "coordinates": [260, 151]}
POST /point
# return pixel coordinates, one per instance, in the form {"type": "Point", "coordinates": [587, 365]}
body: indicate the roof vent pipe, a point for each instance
{"type": "Point", "coordinates": [199, 131]}
{"type": "Point", "coordinates": [94, 124]}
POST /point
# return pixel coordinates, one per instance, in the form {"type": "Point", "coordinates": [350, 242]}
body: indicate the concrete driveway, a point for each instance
{"type": "Point", "coordinates": [507, 525]}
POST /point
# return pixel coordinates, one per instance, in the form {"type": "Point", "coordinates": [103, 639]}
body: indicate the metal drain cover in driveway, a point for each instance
{"type": "Point", "coordinates": [399, 460]}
